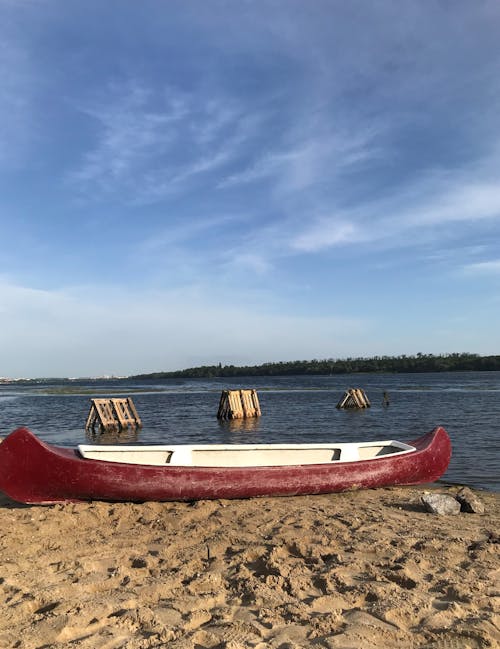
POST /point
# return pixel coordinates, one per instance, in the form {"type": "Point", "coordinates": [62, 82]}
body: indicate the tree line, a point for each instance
{"type": "Point", "coordinates": [383, 364]}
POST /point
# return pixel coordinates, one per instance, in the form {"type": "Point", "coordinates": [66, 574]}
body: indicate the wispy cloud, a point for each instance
{"type": "Point", "coordinates": [414, 216]}
{"type": "Point", "coordinates": [307, 162]}
{"type": "Point", "coordinates": [483, 268]}
{"type": "Point", "coordinates": [415, 211]}
{"type": "Point", "coordinates": [129, 133]}
{"type": "Point", "coordinates": [250, 261]}
{"type": "Point", "coordinates": [181, 232]}
{"type": "Point", "coordinates": [327, 233]}
{"type": "Point", "coordinates": [151, 144]}
{"type": "Point", "coordinates": [458, 200]}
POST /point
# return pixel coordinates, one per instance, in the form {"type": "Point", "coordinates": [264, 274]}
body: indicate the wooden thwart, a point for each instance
{"type": "Point", "coordinates": [113, 414]}
{"type": "Point", "coordinates": [238, 404]}
{"type": "Point", "coordinates": [354, 398]}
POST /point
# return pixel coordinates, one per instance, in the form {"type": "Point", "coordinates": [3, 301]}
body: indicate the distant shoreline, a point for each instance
{"type": "Point", "coordinates": [420, 363]}
{"type": "Point", "coordinates": [375, 365]}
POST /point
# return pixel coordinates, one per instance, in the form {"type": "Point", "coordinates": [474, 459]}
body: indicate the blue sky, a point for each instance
{"type": "Point", "coordinates": [186, 183]}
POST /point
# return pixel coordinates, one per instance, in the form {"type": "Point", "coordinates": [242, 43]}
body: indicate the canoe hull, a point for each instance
{"type": "Point", "coordinates": [34, 472]}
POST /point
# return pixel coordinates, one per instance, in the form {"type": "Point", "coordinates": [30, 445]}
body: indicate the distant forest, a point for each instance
{"type": "Point", "coordinates": [385, 364]}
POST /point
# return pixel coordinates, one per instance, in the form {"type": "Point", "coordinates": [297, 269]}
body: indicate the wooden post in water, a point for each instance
{"type": "Point", "coordinates": [238, 404]}
{"type": "Point", "coordinates": [354, 398]}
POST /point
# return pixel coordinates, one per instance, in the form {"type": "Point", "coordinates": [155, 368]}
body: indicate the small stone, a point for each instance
{"type": "Point", "coordinates": [469, 501]}
{"type": "Point", "coordinates": [139, 563]}
{"type": "Point", "coordinates": [441, 504]}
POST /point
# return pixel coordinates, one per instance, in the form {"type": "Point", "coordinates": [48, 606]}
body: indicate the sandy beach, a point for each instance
{"type": "Point", "coordinates": [359, 569]}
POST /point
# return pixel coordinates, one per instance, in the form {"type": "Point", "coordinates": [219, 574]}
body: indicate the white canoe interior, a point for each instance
{"type": "Point", "coordinates": [244, 455]}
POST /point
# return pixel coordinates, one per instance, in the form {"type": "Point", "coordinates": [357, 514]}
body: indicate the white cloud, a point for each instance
{"type": "Point", "coordinates": [252, 262]}
{"type": "Point", "coordinates": [459, 200]}
{"type": "Point", "coordinates": [308, 161]}
{"type": "Point", "coordinates": [183, 231]}
{"type": "Point", "coordinates": [327, 233]}
{"type": "Point", "coordinates": [150, 145]}
{"type": "Point", "coordinates": [129, 133]}
{"type": "Point", "coordinates": [483, 268]}
{"type": "Point", "coordinates": [412, 215]}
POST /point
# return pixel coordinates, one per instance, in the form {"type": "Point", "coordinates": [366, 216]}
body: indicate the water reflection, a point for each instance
{"type": "Point", "coordinates": [241, 431]}
{"type": "Point", "coordinates": [125, 436]}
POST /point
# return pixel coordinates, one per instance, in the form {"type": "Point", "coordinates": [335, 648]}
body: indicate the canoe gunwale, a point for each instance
{"type": "Point", "coordinates": [184, 455]}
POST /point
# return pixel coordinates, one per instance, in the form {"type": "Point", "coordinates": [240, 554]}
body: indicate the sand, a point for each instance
{"type": "Point", "coordinates": [359, 569]}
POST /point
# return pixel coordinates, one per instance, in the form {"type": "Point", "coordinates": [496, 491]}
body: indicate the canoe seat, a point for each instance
{"type": "Point", "coordinates": [181, 457]}
{"type": "Point", "coordinates": [349, 453]}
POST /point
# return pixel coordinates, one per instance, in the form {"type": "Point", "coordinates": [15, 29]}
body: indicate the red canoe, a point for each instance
{"type": "Point", "coordinates": [32, 471]}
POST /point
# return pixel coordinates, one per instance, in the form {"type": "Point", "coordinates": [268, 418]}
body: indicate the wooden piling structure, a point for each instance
{"type": "Point", "coordinates": [113, 414]}
{"type": "Point", "coordinates": [354, 398]}
{"type": "Point", "coordinates": [238, 404]}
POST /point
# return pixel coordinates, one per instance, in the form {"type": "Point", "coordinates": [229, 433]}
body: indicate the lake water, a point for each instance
{"type": "Point", "coordinates": [294, 409]}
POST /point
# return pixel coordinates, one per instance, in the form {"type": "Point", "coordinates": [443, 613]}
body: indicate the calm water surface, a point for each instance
{"type": "Point", "coordinates": [294, 409]}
